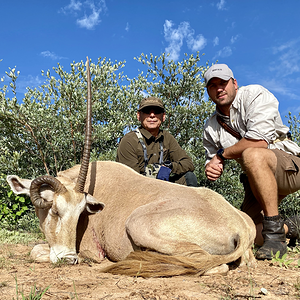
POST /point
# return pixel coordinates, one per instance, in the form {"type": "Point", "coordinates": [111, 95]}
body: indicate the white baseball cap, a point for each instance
{"type": "Point", "coordinates": [218, 70]}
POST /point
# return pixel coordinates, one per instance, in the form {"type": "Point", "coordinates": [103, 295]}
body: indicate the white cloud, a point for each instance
{"type": "Point", "coordinates": [175, 38]}
{"type": "Point", "coordinates": [277, 86]}
{"type": "Point", "coordinates": [90, 21]}
{"type": "Point", "coordinates": [127, 27]}
{"type": "Point", "coordinates": [234, 38]}
{"type": "Point", "coordinates": [73, 6]}
{"type": "Point", "coordinates": [216, 41]}
{"type": "Point", "coordinates": [196, 44]}
{"type": "Point", "coordinates": [225, 52]}
{"type": "Point", "coordinates": [286, 46]}
{"type": "Point", "coordinates": [91, 12]}
{"type": "Point", "coordinates": [221, 5]}
{"type": "Point", "coordinates": [288, 58]}
{"type": "Point", "coordinates": [51, 55]}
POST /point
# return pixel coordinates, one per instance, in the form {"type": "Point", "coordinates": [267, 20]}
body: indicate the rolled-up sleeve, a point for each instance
{"type": "Point", "coordinates": [209, 143]}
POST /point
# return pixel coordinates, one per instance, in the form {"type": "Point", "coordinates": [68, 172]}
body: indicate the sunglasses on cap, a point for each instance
{"type": "Point", "coordinates": [155, 109]}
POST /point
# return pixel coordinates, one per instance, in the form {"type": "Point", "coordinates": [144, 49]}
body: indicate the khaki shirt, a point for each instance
{"type": "Point", "coordinates": [254, 114]}
{"type": "Point", "coordinates": [130, 151]}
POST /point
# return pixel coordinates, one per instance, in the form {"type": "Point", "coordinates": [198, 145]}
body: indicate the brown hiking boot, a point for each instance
{"type": "Point", "coordinates": [274, 238]}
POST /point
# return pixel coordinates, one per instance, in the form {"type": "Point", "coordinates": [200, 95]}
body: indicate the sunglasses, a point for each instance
{"type": "Point", "coordinates": [155, 109]}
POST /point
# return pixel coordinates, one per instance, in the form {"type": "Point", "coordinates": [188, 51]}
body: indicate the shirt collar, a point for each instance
{"type": "Point", "coordinates": [149, 136]}
{"type": "Point", "coordinates": [225, 118]}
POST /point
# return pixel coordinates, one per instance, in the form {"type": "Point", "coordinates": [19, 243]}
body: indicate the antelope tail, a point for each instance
{"type": "Point", "coordinates": [153, 264]}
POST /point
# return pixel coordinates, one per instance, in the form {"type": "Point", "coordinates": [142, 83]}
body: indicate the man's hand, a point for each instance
{"type": "Point", "coordinates": [214, 169]}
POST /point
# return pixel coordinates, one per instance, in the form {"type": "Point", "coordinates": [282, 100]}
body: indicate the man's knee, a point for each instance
{"type": "Point", "coordinates": [191, 179]}
{"type": "Point", "coordinates": [252, 154]}
{"type": "Point", "coordinates": [257, 157]}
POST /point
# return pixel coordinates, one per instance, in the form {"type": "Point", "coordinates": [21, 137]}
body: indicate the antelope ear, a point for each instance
{"type": "Point", "coordinates": [18, 185]}
{"type": "Point", "coordinates": [93, 206]}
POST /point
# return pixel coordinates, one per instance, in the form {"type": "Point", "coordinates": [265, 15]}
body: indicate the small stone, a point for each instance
{"type": "Point", "coordinates": [264, 291]}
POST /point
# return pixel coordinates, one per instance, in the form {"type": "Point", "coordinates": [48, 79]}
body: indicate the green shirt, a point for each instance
{"type": "Point", "coordinates": [130, 152]}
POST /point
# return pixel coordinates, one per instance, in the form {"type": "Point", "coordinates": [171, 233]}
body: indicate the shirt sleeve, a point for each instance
{"type": "Point", "coordinates": [209, 143]}
{"type": "Point", "coordinates": [260, 114]}
{"type": "Point", "coordinates": [127, 154]}
{"type": "Point", "coordinates": [181, 162]}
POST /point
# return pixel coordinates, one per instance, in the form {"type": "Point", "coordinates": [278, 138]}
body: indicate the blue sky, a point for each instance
{"type": "Point", "coordinates": [258, 39]}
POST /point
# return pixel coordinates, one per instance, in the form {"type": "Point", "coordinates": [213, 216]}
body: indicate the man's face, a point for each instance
{"type": "Point", "coordinates": [151, 118]}
{"type": "Point", "coordinates": [222, 92]}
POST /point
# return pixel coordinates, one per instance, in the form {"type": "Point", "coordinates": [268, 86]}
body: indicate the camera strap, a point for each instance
{"type": "Point", "coordinates": [161, 150]}
{"type": "Point", "coordinates": [228, 128]}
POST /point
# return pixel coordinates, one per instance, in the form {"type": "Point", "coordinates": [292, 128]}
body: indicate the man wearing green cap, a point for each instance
{"type": "Point", "coordinates": [247, 127]}
{"type": "Point", "coordinates": [154, 152]}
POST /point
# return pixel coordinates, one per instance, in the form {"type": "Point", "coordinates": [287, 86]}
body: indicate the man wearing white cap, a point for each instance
{"type": "Point", "coordinates": [247, 127]}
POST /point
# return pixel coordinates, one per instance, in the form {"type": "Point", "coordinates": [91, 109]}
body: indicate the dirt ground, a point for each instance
{"type": "Point", "coordinates": [20, 277]}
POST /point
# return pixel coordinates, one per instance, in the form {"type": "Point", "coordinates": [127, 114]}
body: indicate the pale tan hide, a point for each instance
{"type": "Point", "coordinates": [186, 230]}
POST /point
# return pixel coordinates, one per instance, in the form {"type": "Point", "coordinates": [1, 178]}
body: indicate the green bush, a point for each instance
{"type": "Point", "coordinates": [16, 212]}
{"type": "Point", "coordinates": [14, 206]}
{"type": "Point", "coordinates": [290, 205]}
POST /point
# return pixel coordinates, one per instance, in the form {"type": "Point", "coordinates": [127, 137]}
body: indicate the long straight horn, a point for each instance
{"type": "Point", "coordinates": [88, 135]}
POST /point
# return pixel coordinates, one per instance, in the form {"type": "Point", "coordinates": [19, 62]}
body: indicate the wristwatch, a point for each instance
{"type": "Point", "coordinates": [220, 154]}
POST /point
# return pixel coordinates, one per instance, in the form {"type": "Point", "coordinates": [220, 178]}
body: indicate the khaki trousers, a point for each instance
{"type": "Point", "coordinates": [288, 180]}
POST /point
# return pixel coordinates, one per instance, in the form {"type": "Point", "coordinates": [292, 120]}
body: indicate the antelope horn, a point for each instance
{"type": "Point", "coordinates": [35, 195]}
{"type": "Point", "coordinates": [88, 133]}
